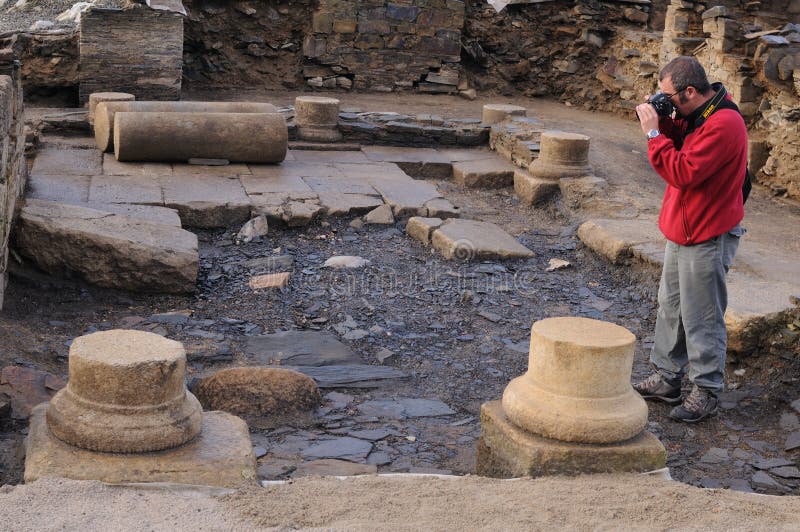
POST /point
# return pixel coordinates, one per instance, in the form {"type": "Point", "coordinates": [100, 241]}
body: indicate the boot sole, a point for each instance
{"type": "Point", "coordinates": [701, 418]}
{"type": "Point", "coordinates": [663, 399]}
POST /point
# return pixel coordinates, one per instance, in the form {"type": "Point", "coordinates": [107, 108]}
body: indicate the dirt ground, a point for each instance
{"type": "Point", "coordinates": [600, 502]}
{"type": "Point", "coordinates": [432, 315]}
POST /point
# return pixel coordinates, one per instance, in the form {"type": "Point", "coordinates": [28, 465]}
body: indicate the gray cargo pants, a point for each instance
{"type": "Point", "coordinates": [692, 297]}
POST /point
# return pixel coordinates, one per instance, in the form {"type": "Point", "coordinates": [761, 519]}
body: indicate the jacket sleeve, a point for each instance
{"type": "Point", "coordinates": [671, 128]}
{"type": "Point", "coordinates": [704, 151]}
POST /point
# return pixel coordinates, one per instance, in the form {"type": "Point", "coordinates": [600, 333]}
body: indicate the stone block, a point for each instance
{"type": "Point", "coordinates": [400, 12]}
{"type": "Point", "coordinates": [614, 238]}
{"type": "Point", "coordinates": [420, 228]}
{"type": "Point", "coordinates": [322, 22]}
{"type": "Point", "coordinates": [533, 190]}
{"type": "Point", "coordinates": [206, 201]}
{"type": "Point", "coordinates": [270, 280]}
{"type": "Point", "coordinates": [485, 173]}
{"type": "Point", "coordinates": [496, 112]}
{"type": "Point", "coordinates": [442, 208]}
{"type": "Point", "coordinates": [474, 240]}
{"type": "Point", "coordinates": [125, 189]}
{"type": "Point", "coordinates": [342, 204]}
{"type": "Point", "coordinates": [67, 162]}
{"type": "Point", "coordinates": [344, 26]}
{"type": "Point", "coordinates": [576, 191]}
{"type": "Point", "coordinates": [506, 451]}
{"type": "Point", "coordinates": [66, 188]}
{"type": "Point", "coordinates": [716, 11]}
{"type": "Point", "coordinates": [221, 455]}
{"type": "Point", "coordinates": [107, 249]}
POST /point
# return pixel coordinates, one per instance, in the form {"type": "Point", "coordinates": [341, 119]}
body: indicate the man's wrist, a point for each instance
{"type": "Point", "coordinates": [653, 133]}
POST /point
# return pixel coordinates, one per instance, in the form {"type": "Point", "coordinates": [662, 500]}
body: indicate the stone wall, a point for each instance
{"type": "Point", "coordinates": [49, 60]}
{"type": "Point", "coordinates": [12, 153]}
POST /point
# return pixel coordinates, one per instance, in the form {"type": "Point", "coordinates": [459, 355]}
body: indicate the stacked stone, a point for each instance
{"type": "Point", "coordinates": [385, 46]}
{"type": "Point", "coordinates": [574, 411]}
{"type": "Point", "coordinates": [12, 153]}
{"type": "Point", "coordinates": [126, 398]}
{"type": "Point", "coordinates": [682, 29]}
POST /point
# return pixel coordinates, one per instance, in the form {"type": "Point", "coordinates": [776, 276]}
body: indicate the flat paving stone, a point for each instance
{"type": "Point", "coordinates": [474, 240]}
{"type": "Point", "coordinates": [150, 213]}
{"type": "Point", "coordinates": [295, 169]}
{"type": "Point", "coordinates": [228, 170]}
{"type": "Point", "coordinates": [341, 185]}
{"type": "Point", "coordinates": [339, 204]}
{"type": "Point", "coordinates": [460, 155]}
{"type": "Point", "coordinates": [374, 170]}
{"type": "Point", "coordinates": [111, 166]}
{"type": "Point", "coordinates": [64, 188]}
{"type": "Point", "coordinates": [300, 348]}
{"type": "Point", "coordinates": [397, 154]}
{"type": "Point", "coordinates": [345, 448]}
{"type": "Point", "coordinates": [314, 156]}
{"type": "Point", "coordinates": [406, 197]}
{"type": "Point", "coordinates": [333, 467]}
{"type": "Point", "coordinates": [206, 201]}
{"type": "Point", "coordinates": [68, 162]}
{"type": "Point", "coordinates": [351, 375]}
{"type": "Point", "coordinates": [141, 190]}
{"type": "Point", "coordinates": [281, 184]}
{"type": "Point", "coordinates": [405, 407]}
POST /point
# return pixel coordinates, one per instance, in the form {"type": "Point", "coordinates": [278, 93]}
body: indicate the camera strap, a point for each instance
{"type": "Point", "coordinates": [717, 102]}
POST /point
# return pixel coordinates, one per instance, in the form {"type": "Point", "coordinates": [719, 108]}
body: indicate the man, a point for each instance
{"type": "Point", "coordinates": [702, 156]}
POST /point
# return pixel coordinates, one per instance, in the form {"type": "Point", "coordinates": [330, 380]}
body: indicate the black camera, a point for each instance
{"type": "Point", "coordinates": [661, 104]}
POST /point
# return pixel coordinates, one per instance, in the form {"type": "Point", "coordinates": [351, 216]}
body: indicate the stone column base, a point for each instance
{"type": "Point", "coordinates": [318, 134]}
{"type": "Point", "coordinates": [532, 190]}
{"type": "Point", "coordinates": [506, 451]}
{"type": "Point", "coordinates": [222, 455]}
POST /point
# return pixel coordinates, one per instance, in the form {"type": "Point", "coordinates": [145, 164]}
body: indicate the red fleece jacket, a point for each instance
{"type": "Point", "coordinates": [704, 178]}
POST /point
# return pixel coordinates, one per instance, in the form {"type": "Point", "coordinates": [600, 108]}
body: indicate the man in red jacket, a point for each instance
{"type": "Point", "coordinates": [702, 157]}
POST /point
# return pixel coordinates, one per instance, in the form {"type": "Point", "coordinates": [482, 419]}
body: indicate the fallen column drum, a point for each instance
{"type": "Point", "coordinates": [237, 137]}
{"type": "Point", "coordinates": [105, 111]}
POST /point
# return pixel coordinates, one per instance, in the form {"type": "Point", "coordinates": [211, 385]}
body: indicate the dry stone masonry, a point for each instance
{"type": "Point", "coordinates": [574, 411]}
{"type": "Point", "coordinates": [12, 154]}
{"type": "Point", "coordinates": [126, 416]}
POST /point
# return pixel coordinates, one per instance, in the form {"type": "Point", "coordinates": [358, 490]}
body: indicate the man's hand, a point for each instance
{"type": "Point", "coordinates": [648, 118]}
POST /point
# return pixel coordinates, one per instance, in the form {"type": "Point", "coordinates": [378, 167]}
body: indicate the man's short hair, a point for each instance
{"type": "Point", "coordinates": [685, 71]}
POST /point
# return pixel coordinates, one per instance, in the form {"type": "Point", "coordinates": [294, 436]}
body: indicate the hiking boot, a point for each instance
{"type": "Point", "coordinates": [660, 389]}
{"type": "Point", "coordinates": [699, 404]}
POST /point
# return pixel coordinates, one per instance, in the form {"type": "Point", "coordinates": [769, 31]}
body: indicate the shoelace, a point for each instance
{"type": "Point", "coordinates": [696, 400]}
{"type": "Point", "coordinates": [651, 382]}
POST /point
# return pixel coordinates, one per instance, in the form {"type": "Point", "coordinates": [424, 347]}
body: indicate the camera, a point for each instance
{"type": "Point", "coordinates": [661, 104]}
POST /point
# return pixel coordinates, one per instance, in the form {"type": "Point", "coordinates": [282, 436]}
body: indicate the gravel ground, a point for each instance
{"type": "Point", "coordinates": [20, 15]}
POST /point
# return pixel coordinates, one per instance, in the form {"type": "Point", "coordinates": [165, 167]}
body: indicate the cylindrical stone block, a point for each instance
{"type": "Point", "coordinates": [562, 155]}
{"type": "Point", "coordinates": [105, 112]}
{"type": "Point", "coordinates": [577, 387]}
{"type": "Point", "coordinates": [97, 97]}
{"type": "Point", "coordinates": [497, 112]}
{"type": "Point", "coordinates": [126, 393]}
{"type": "Point", "coordinates": [317, 118]}
{"type": "Point", "coordinates": [237, 137]}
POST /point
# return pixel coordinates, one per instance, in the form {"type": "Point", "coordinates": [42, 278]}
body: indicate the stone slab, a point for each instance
{"type": "Point", "coordinates": [66, 188]}
{"type": "Point", "coordinates": [339, 204]}
{"type": "Point", "coordinates": [299, 348]}
{"type": "Point", "coordinates": [344, 448]}
{"type": "Point", "coordinates": [68, 162]}
{"type": "Point", "coordinates": [344, 185]}
{"type": "Point", "coordinates": [614, 239]}
{"type": "Point", "coordinates": [397, 154]}
{"type": "Point", "coordinates": [374, 170]}
{"type": "Point", "coordinates": [533, 190]}
{"type": "Point", "coordinates": [107, 249]}
{"type": "Point", "coordinates": [461, 155]}
{"type": "Point", "coordinates": [406, 197]}
{"type": "Point", "coordinates": [150, 213]}
{"type": "Point", "coordinates": [140, 190]}
{"type": "Point", "coordinates": [506, 451]}
{"type": "Point", "coordinates": [296, 169]}
{"type": "Point", "coordinates": [351, 375]}
{"type": "Point", "coordinates": [111, 166]}
{"type": "Point", "coordinates": [333, 467]}
{"type": "Point", "coordinates": [280, 184]}
{"type": "Point", "coordinates": [420, 228]}
{"type": "Point", "coordinates": [475, 240]}
{"type": "Point", "coordinates": [484, 173]}
{"type": "Point", "coordinates": [442, 208]}
{"type": "Point", "coordinates": [208, 170]}
{"type": "Point", "coordinates": [206, 201]}
{"type": "Point", "coordinates": [270, 280]}
{"type": "Point", "coordinates": [330, 156]}
{"type": "Point", "coordinates": [222, 455]}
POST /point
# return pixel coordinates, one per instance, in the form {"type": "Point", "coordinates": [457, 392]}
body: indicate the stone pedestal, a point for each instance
{"type": "Point", "coordinates": [221, 455]}
{"type": "Point", "coordinates": [533, 190]}
{"type": "Point", "coordinates": [126, 416]}
{"type": "Point", "coordinates": [98, 97]}
{"type": "Point", "coordinates": [506, 451]}
{"type": "Point", "coordinates": [126, 393]}
{"type": "Point", "coordinates": [317, 118]}
{"type": "Point", "coordinates": [497, 112]}
{"type": "Point", "coordinates": [574, 410]}
{"type": "Point", "coordinates": [562, 155]}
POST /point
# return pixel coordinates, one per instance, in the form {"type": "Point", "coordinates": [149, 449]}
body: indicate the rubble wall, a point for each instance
{"type": "Point", "coordinates": [49, 59]}
{"type": "Point", "coordinates": [12, 153]}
